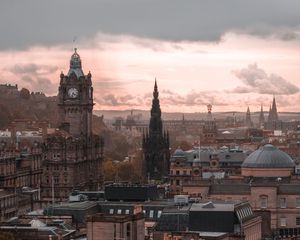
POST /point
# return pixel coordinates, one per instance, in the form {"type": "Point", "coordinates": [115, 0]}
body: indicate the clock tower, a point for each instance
{"type": "Point", "coordinates": [75, 99]}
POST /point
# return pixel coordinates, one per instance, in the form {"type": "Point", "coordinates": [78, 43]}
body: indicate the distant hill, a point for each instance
{"type": "Point", "coordinates": [21, 104]}
{"type": "Point", "coordinates": [145, 115]}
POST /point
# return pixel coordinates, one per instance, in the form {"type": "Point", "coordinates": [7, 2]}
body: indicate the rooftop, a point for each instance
{"type": "Point", "coordinates": [268, 156]}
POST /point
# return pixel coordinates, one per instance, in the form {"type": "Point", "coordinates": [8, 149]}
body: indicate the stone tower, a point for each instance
{"type": "Point", "coordinates": [261, 117]}
{"type": "Point", "coordinates": [273, 114]}
{"type": "Point", "coordinates": [72, 154]}
{"type": "Point", "coordinates": [75, 99]}
{"type": "Point", "coordinates": [209, 128]}
{"type": "Point", "coordinates": [248, 121]}
{"type": "Point", "coordinates": [156, 143]}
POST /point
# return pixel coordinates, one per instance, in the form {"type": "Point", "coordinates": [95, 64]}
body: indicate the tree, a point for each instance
{"type": "Point", "coordinates": [109, 170]}
{"type": "Point", "coordinates": [126, 171]}
{"type": "Point", "coordinates": [24, 93]}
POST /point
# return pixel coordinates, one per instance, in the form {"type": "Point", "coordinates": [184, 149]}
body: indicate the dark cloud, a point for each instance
{"type": "Point", "coordinates": [57, 22]}
{"type": "Point", "coordinates": [34, 76]}
{"type": "Point", "coordinates": [195, 98]}
{"type": "Point", "coordinates": [256, 80]}
{"type": "Point", "coordinates": [32, 68]}
{"type": "Point", "coordinates": [116, 100]}
{"type": "Point", "coordinates": [39, 84]}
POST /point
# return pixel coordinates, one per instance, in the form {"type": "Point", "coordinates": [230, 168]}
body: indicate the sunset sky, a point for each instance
{"type": "Point", "coordinates": [231, 54]}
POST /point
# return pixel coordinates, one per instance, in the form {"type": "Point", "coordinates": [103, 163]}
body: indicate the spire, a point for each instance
{"type": "Point", "coordinates": [248, 121]}
{"type": "Point", "coordinates": [75, 64]}
{"type": "Point", "coordinates": [155, 121]}
{"type": "Point", "coordinates": [155, 92]}
{"type": "Point", "coordinates": [274, 110]}
{"type": "Point", "coordinates": [261, 116]}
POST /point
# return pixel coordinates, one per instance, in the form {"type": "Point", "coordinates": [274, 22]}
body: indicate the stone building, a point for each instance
{"type": "Point", "coordinates": [117, 226]}
{"type": "Point", "coordinates": [187, 166]}
{"type": "Point", "coordinates": [269, 182]}
{"type": "Point", "coordinates": [156, 144]}
{"type": "Point", "coordinates": [209, 220]}
{"type": "Point", "coordinates": [20, 179]}
{"type": "Point", "coordinates": [73, 154]}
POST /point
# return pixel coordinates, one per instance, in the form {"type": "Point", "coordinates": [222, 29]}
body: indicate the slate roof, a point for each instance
{"type": "Point", "coordinates": [230, 189]}
{"type": "Point", "coordinates": [289, 189]}
{"type": "Point", "coordinates": [268, 156]}
{"type": "Point", "coordinates": [173, 219]}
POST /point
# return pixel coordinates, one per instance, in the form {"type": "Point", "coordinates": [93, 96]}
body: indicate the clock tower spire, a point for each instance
{"type": "Point", "coordinates": [75, 99]}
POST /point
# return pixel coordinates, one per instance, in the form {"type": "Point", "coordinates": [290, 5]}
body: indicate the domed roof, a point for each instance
{"type": "Point", "coordinates": [268, 156]}
{"type": "Point", "coordinates": [178, 153]}
{"type": "Point", "coordinates": [75, 64]}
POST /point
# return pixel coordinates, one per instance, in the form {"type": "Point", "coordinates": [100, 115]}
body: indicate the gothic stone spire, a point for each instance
{"type": "Point", "coordinates": [155, 126]}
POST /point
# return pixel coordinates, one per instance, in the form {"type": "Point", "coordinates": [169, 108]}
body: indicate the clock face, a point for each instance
{"type": "Point", "coordinates": [73, 93]}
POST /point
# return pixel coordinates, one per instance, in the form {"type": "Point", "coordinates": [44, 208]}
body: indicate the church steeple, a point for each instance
{"type": "Point", "coordinates": [248, 121]}
{"type": "Point", "coordinates": [273, 114]}
{"type": "Point", "coordinates": [261, 116]}
{"type": "Point", "coordinates": [274, 110]}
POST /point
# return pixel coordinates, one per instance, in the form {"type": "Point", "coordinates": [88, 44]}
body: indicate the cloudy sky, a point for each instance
{"type": "Point", "coordinates": [231, 54]}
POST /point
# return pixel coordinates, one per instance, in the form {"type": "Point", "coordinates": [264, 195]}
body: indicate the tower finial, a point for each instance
{"type": "Point", "coordinates": [155, 92]}
{"type": "Point", "coordinates": [75, 49]}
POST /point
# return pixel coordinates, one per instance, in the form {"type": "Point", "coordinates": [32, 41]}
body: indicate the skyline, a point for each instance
{"type": "Point", "coordinates": [232, 62]}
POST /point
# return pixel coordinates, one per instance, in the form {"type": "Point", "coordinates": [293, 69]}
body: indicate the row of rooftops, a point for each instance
{"type": "Point", "coordinates": [267, 156]}
{"type": "Point", "coordinates": [152, 210]}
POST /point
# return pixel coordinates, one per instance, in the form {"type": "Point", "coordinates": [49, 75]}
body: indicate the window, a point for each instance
{"type": "Point", "coordinates": [283, 222]}
{"type": "Point", "coordinates": [282, 202]}
{"type": "Point", "coordinates": [159, 213]}
{"type": "Point", "coordinates": [119, 211]}
{"type": "Point", "coordinates": [56, 179]}
{"type": "Point", "coordinates": [297, 202]}
{"type": "Point", "coordinates": [151, 213]}
{"type": "Point", "coordinates": [263, 202]}
{"type": "Point", "coordinates": [111, 211]}
{"type": "Point", "coordinates": [177, 182]}
{"type": "Point", "coordinates": [177, 172]}
{"type": "Point", "coordinates": [127, 211]}
{"type": "Point", "coordinates": [297, 220]}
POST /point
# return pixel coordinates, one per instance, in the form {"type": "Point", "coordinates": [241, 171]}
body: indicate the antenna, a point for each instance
{"type": "Point", "coordinates": [74, 41]}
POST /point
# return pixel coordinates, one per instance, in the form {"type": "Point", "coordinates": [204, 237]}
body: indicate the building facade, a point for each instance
{"type": "Point", "coordinates": [269, 182]}
{"type": "Point", "coordinates": [73, 154]}
{"type": "Point", "coordinates": [112, 226]}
